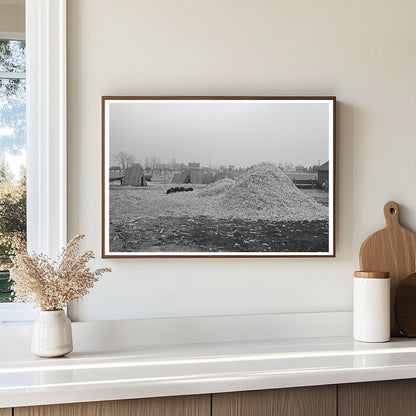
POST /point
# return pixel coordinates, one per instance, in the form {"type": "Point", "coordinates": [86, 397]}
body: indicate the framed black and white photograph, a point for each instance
{"type": "Point", "coordinates": [218, 176]}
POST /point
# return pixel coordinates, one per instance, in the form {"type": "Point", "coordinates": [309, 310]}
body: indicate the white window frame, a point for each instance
{"type": "Point", "coordinates": [14, 312]}
{"type": "Point", "coordinates": [46, 135]}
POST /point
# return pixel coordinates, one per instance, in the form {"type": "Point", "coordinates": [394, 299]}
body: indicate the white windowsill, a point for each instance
{"type": "Point", "coordinates": [16, 313]}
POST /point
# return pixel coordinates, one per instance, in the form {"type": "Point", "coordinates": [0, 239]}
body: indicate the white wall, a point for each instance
{"type": "Point", "coordinates": [361, 51]}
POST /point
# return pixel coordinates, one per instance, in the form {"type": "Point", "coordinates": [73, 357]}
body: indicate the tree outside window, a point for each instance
{"type": "Point", "coordinates": [12, 156]}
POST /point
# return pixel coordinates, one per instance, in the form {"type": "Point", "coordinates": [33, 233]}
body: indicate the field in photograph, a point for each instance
{"type": "Point", "coordinates": [261, 211]}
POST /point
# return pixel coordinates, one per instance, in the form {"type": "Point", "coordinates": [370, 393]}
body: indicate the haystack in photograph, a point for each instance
{"type": "Point", "coordinates": [218, 176]}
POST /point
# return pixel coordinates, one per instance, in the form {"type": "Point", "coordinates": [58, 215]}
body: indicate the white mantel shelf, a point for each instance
{"type": "Point", "coordinates": [151, 371]}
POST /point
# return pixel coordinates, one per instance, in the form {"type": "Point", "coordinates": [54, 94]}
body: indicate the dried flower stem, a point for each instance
{"type": "Point", "coordinates": [53, 285]}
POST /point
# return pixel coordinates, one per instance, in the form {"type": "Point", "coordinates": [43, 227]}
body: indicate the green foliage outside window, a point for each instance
{"type": "Point", "coordinates": [12, 145]}
{"type": "Point", "coordinates": [12, 224]}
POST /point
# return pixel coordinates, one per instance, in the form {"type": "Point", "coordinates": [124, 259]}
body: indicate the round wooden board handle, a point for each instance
{"type": "Point", "coordinates": [391, 214]}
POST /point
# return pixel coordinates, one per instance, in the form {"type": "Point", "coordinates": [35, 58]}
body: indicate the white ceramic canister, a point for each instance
{"type": "Point", "coordinates": [371, 322]}
{"type": "Point", "coordinates": [52, 334]}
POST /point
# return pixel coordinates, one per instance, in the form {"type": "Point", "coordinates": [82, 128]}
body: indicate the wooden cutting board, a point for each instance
{"type": "Point", "coordinates": [393, 250]}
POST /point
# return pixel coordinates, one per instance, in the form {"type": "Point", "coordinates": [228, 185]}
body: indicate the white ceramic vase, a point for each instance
{"type": "Point", "coordinates": [52, 334]}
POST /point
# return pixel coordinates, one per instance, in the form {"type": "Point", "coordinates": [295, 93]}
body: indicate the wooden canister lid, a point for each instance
{"type": "Point", "coordinates": [372, 275]}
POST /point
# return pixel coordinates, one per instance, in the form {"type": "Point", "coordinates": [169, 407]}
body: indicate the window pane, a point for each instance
{"type": "Point", "coordinates": [12, 162]}
{"type": "Point", "coordinates": [12, 56]}
{"type": "Point", "coordinates": [12, 118]}
{"type": "Point", "coordinates": [5, 292]}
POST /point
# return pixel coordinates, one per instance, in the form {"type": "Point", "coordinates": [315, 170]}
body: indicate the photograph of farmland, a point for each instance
{"type": "Point", "coordinates": [218, 177]}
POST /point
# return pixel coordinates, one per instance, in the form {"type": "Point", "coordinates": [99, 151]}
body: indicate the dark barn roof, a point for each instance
{"type": "Point", "coordinates": [324, 167]}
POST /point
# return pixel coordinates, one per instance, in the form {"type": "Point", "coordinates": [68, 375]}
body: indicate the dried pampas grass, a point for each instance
{"type": "Point", "coordinates": [53, 285]}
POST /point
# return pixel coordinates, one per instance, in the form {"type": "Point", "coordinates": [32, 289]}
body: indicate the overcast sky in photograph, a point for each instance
{"type": "Point", "coordinates": [240, 133]}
